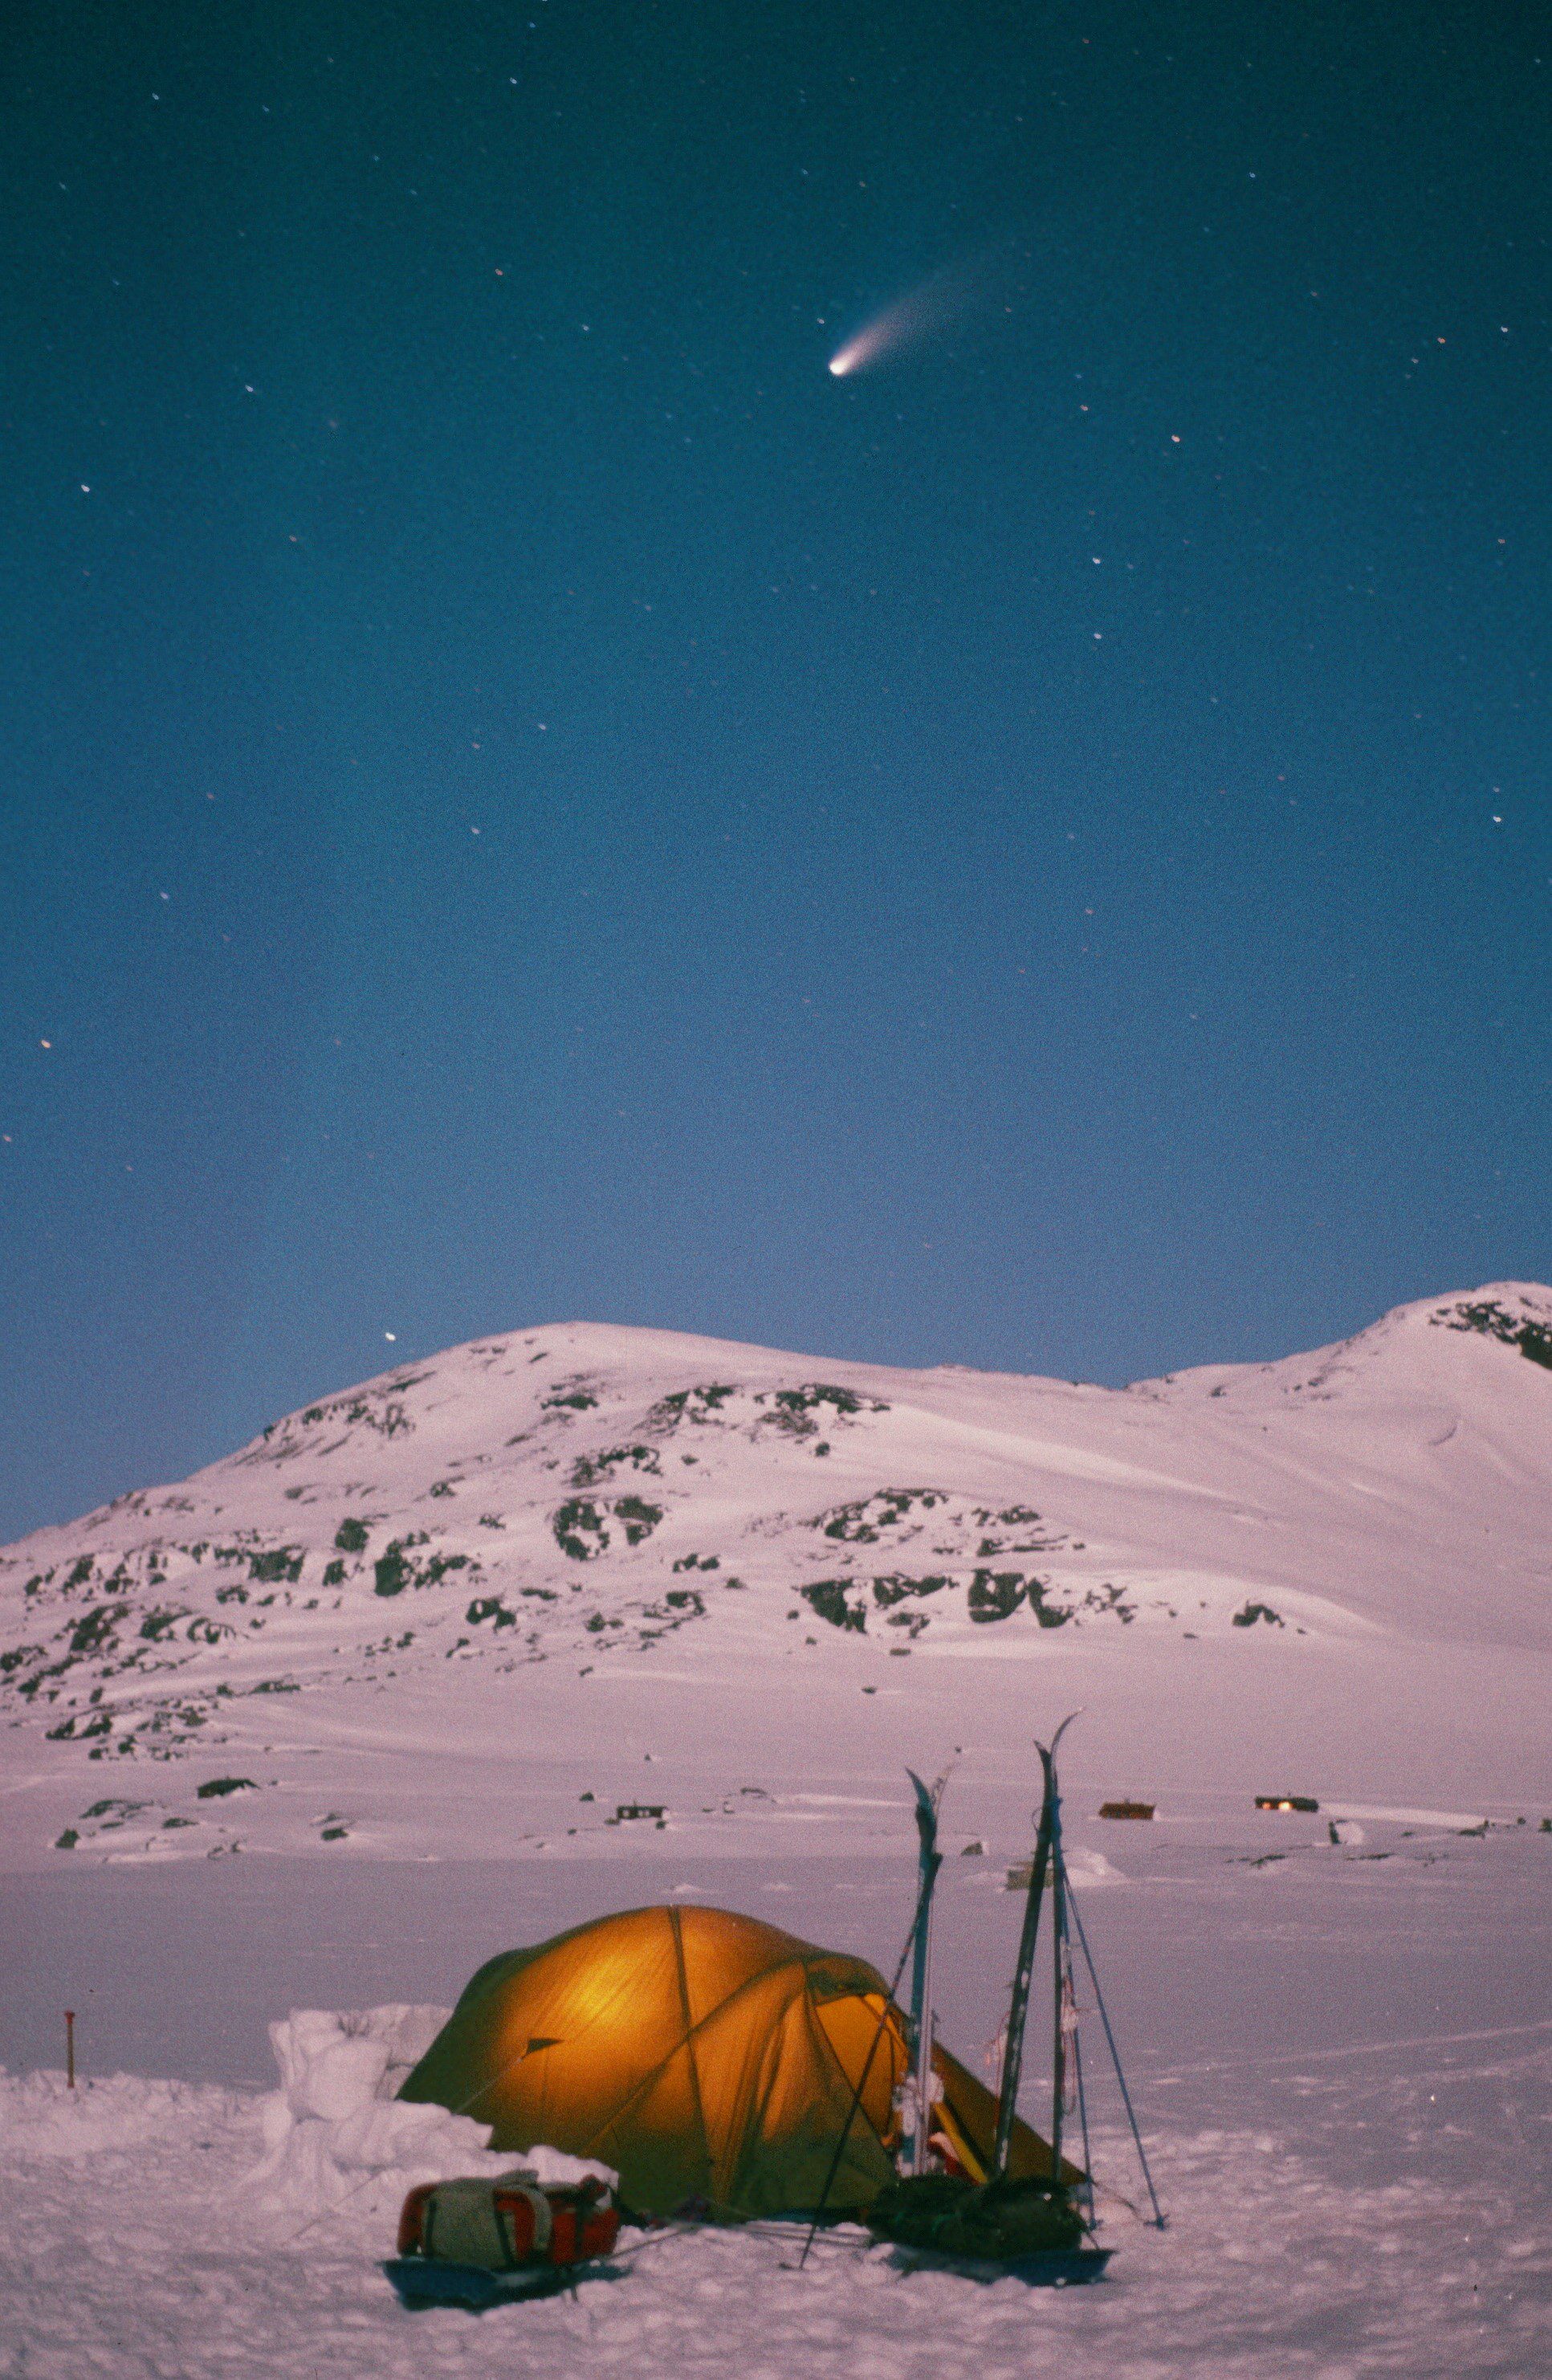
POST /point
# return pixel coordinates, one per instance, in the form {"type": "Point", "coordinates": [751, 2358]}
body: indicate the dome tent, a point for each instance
{"type": "Point", "coordinates": [704, 2055]}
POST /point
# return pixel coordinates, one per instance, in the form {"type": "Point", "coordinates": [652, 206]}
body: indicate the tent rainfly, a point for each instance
{"type": "Point", "coordinates": [706, 2058]}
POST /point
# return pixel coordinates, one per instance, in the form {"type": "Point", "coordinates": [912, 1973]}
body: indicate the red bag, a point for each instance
{"type": "Point", "coordinates": [510, 2222]}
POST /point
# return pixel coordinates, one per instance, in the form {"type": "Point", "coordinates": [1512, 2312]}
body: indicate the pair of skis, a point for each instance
{"type": "Point", "coordinates": [917, 2130]}
{"type": "Point", "coordinates": [1049, 1867]}
{"type": "Point", "coordinates": [916, 2143]}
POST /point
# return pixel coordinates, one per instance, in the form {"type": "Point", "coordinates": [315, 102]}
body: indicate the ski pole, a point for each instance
{"type": "Point", "coordinates": [862, 2078]}
{"type": "Point", "coordinates": [1115, 2061]}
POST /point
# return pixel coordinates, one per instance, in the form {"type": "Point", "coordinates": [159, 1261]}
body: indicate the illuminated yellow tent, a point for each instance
{"type": "Point", "coordinates": [702, 2055]}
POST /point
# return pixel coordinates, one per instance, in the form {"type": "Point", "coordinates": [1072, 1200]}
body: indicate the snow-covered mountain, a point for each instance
{"type": "Point", "coordinates": [461, 1540]}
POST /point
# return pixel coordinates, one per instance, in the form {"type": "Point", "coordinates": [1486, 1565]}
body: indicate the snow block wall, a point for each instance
{"type": "Point", "coordinates": [336, 2130]}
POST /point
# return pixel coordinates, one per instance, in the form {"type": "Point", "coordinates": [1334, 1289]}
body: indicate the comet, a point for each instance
{"type": "Point", "coordinates": [934, 305]}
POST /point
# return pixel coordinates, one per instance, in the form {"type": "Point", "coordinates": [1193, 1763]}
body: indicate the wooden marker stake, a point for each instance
{"type": "Point", "coordinates": [70, 2048]}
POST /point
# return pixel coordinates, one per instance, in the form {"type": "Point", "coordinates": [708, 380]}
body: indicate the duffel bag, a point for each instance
{"type": "Point", "coordinates": [510, 2222]}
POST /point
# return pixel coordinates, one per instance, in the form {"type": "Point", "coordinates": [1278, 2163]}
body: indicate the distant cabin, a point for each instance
{"type": "Point", "coordinates": [628, 1810]}
{"type": "Point", "coordinates": [1285, 1801]}
{"type": "Point", "coordinates": [1126, 1809]}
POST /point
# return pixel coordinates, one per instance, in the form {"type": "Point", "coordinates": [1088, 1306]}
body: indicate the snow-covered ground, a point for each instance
{"type": "Point", "coordinates": [144, 2260]}
{"type": "Point", "coordinates": [1341, 2053]}
{"type": "Point", "coordinates": [1342, 2063]}
{"type": "Point", "coordinates": [338, 1717]}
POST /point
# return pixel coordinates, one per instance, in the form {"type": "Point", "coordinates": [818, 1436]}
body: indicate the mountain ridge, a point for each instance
{"type": "Point", "coordinates": [576, 1498]}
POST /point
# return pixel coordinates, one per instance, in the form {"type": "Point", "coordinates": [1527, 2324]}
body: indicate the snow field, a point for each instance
{"type": "Point", "coordinates": [1342, 2063]}
{"type": "Point", "coordinates": [132, 2249]}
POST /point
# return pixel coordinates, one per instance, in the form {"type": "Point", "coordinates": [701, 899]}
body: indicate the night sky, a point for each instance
{"type": "Point", "coordinates": [528, 795]}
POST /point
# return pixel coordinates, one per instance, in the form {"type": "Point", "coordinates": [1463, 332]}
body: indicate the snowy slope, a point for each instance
{"type": "Point", "coordinates": [558, 1544]}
